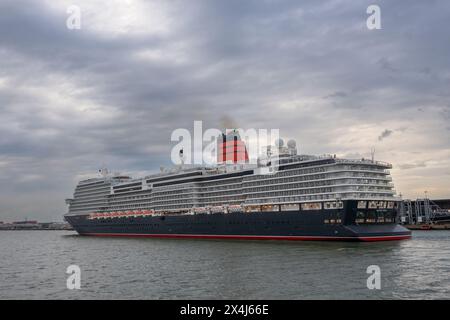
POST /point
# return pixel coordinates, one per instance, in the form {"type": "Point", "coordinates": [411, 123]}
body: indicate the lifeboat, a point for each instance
{"type": "Point", "coordinates": [200, 210]}
{"type": "Point", "coordinates": [146, 213]}
{"type": "Point", "coordinates": [218, 209]}
{"type": "Point", "coordinates": [235, 208]}
{"type": "Point", "coordinates": [130, 213]}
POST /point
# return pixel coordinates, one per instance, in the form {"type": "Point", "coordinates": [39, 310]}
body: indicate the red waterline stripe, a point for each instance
{"type": "Point", "coordinates": [384, 238]}
{"type": "Point", "coordinates": [244, 237]}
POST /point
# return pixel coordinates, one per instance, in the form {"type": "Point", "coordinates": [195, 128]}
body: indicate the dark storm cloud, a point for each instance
{"type": "Point", "coordinates": [73, 99]}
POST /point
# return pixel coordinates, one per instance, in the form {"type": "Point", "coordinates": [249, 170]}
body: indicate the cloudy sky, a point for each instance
{"type": "Point", "coordinates": [112, 92]}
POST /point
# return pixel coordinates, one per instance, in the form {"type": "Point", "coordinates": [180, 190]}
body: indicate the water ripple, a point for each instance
{"type": "Point", "coordinates": [33, 266]}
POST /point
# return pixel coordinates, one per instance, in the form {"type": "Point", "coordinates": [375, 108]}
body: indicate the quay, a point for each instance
{"type": "Point", "coordinates": [431, 226]}
{"type": "Point", "coordinates": [34, 225]}
{"type": "Point", "coordinates": [425, 214]}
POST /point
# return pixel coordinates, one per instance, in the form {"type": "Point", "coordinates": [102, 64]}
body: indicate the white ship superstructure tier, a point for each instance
{"type": "Point", "coordinates": [296, 179]}
{"type": "Point", "coordinates": [93, 194]}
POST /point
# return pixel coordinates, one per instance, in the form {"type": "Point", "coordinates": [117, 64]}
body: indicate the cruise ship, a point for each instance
{"type": "Point", "coordinates": [290, 197]}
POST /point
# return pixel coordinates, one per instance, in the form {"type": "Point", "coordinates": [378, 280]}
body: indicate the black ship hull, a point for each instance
{"type": "Point", "coordinates": [347, 224]}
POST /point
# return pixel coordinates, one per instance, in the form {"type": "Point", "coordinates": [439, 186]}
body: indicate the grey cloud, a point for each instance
{"type": "Point", "coordinates": [337, 94]}
{"type": "Point", "coordinates": [309, 68]}
{"type": "Point", "coordinates": [406, 166]}
{"type": "Point", "coordinates": [355, 155]}
{"type": "Point", "coordinates": [446, 112]}
{"type": "Point", "coordinates": [385, 64]}
{"type": "Point", "coordinates": [386, 133]}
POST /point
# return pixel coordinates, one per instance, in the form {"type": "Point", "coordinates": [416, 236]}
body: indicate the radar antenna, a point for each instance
{"type": "Point", "coordinates": [182, 157]}
{"type": "Point", "coordinates": [103, 171]}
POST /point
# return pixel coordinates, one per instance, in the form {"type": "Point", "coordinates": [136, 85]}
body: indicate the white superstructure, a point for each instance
{"type": "Point", "coordinates": [296, 179]}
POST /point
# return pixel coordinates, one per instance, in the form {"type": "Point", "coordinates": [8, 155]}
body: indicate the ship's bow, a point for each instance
{"type": "Point", "coordinates": [379, 232]}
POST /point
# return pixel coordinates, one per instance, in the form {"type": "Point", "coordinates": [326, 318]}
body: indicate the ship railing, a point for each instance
{"type": "Point", "coordinates": [365, 161]}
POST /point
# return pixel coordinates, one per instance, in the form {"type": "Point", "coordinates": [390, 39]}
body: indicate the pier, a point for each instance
{"type": "Point", "coordinates": [34, 225]}
{"type": "Point", "coordinates": [425, 214]}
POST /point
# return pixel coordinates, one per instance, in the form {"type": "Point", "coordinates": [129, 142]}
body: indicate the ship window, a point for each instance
{"type": "Point", "coordinates": [362, 204]}
{"type": "Point", "coordinates": [333, 205]}
{"type": "Point", "coordinates": [289, 207]}
{"type": "Point", "coordinates": [253, 209]}
{"type": "Point", "coordinates": [267, 208]}
{"type": "Point", "coordinates": [372, 204]}
{"type": "Point", "coordinates": [359, 217]}
{"type": "Point", "coordinates": [389, 216]}
{"type": "Point", "coordinates": [330, 205]}
{"type": "Point", "coordinates": [371, 217]}
{"type": "Point", "coordinates": [312, 206]}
